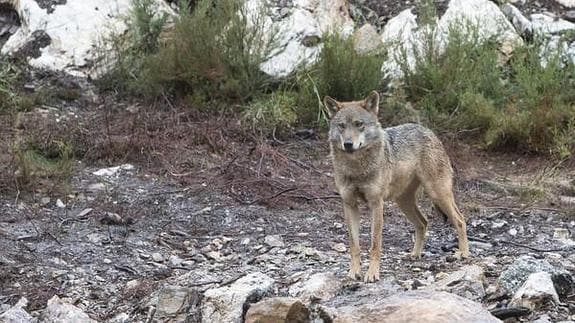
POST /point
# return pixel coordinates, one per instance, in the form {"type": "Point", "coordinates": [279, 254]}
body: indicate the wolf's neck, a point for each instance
{"type": "Point", "coordinates": [362, 162]}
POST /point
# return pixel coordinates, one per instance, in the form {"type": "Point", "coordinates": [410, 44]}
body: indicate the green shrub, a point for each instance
{"type": "Point", "coordinates": [212, 52]}
{"type": "Point", "coordinates": [8, 77]}
{"type": "Point", "coordinates": [274, 111]}
{"type": "Point", "coordinates": [339, 72]}
{"type": "Point", "coordinates": [522, 105]}
{"type": "Point", "coordinates": [128, 53]}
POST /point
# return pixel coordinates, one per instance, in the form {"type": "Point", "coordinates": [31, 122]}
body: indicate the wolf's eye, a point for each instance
{"type": "Point", "coordinates": [341, 125]}
{"type": "Point", "coordinates": [358, 124]}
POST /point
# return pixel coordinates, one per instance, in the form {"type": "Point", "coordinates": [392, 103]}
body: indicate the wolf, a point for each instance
{"type": "Point", "coordinates": [373, 164]}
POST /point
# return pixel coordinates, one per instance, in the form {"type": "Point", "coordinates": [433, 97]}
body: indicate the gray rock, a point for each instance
{"type": "Point", "coordinates": [517, 273]}
{"type": "Point", "coordinates": [278, 310]}
{"type": "Point", "coordinates": [17, 314]}
{"type": "Point", "coordinates": [157, 257]}
{"type": "Point", "coordinates": [467, 282]}
{"type": "Point", "coordinates": [175, 260]}
{"type": "Point", "coordinates": [173, 301]}
{"type": "Point", "coordinates": [59, 311]}
{"type": "Point", "coordinates": [537, 291]}
{"type": "Point", "coordinates": [274, 241]}
{"type": "Point", "coordinates": [519, 21]}
{"type": "Point", "coordinates": [226, 303]}
{"type": "Point", "coordinates": [545, 24]}
{"type": "Point", "coordinates": [320, 286]}
{"type": "Point", "coordinates": [414, 307]}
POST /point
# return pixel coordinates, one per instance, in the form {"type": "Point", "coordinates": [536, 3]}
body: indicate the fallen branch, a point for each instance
{"type": "Point", "coordinates": [265, 198]}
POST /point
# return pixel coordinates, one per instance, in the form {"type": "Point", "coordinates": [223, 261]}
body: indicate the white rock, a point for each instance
{"type": "Point", "coordinates": [225, 304]}
{"type": "Point", "coordinates": [306, 19]}
{"type": "Point", "coordinates": [157, 257]}
{"type": "Point", "coordinates": [404, 35]}
{"type": "Point", "coordinates": [274, 241]}
{"type": "Point", "coordinates": [567, 3]}
{"type": "Point", "coordinates": [322, 286]}
{"type": "Point", "coordinates": [110, 171]}
{"type": "Point", "coordinates": [59, 311]}
{"type": "Point", "coordinates": [175, 260]}
{"type": "Point", "coordinates": [17, 314]}
{"type": "Point", "coordinates": [536, 291]}
{"type": "Point", "coordinates": [60, 204]}
{"type": "Point", "coordinates": [400, 33]}
{"type": "Point", "coordinates": [548, 25]}
{"type": "Point", "coordinates": [339, 247]}
{"type": "Point", "coordinates": [76, 29]}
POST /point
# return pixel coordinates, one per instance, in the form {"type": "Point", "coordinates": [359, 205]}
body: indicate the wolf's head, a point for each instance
{"type": "Point", "coordinates": [353, 125]}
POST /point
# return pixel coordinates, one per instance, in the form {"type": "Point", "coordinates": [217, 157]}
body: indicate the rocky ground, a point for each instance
{"type": "Point", "coordinates": [121, 243]}
{"type": "Point", "coordinates": [174, 215]}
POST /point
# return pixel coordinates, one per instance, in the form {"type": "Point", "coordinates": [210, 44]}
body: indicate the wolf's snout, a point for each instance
{"type": "Point", "coordinates": [348, 146]}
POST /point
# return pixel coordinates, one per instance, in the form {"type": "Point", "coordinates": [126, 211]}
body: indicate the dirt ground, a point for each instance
{"type": "Point", "coordinates": [197, 194]}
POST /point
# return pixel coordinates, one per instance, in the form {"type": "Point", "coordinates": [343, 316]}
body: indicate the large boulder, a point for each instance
{"type": "Point", "coordinates": [467, 282]}
{"type": "Point", "coordinates": [227, 303]}
{"type": "Point", "coordinates": [278, 310]}
{"type": "Point", "coordinates": [17, 313]}
{"type": "Point", "coordinates": [415, 307]}
{"type": "Point", "coordinates": [59, 311]}
{"type": "Point", "coordinates": [475, 18]}
{"type": "Point", "coordinates": [68, 36]}
{"type": "Point", "coordinates": [298, 28]}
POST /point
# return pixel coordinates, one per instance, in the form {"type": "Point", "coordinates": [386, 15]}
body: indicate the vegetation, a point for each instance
{"type": "Point", "coordinates": [211, 55]}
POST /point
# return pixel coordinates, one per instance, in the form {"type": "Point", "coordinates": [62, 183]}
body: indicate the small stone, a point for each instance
{"type": "Point", "coordinates": [246, 241]}
{"type": "Point", "coordinates": [218, 244]}
{"type": "Point", "coordinates": [157, 257]}
{"type": "Point", "coordinates": [214, 255]}
{"type": "Point", "coordinates": [44, 201]}
{"type": "Point", "coordinates": [96, 187]}
{"type": "Point", "coordinates": [499, 224]}
{"type": "Point", "coordinates": [278, 309]}
{"type": "Point", "coordinates": [175, 260]}
{"type": "Point", "coordinates": [198, 257]}
{"type": "Point", "coordinates": [60, 204]}
{"type": "Point", "coordinates": [338, 225]}
{"type": "Point", "coordinates": [561, 234]}
{"type": "Point", "coordinates": [132, 284]}
{"type": "Point", "coordinates": [107, 261]}
{"type": "Point", "coordinates": [512, 231]}
{"type": "Point", "coordinates": [339, 247]}
{"type": "Point", "coordinates": [274, 241]}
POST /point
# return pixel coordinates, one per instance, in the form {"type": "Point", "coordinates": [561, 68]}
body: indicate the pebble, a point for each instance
{"type": "Point", "coordinates": [274, 241]}
{"type": "Point", "coordinates": [157, 257]}
{"type": "Point", "coordinates": [339, 247]}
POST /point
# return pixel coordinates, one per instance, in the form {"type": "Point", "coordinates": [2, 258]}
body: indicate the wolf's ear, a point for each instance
{"type": "Point", "coordinates": [331, 106]}
{"type": "Point", "coordinates": [372, 102]}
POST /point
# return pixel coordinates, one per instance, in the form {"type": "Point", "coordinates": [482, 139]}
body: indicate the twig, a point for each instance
{"type": "Point", "coordinates": [273, 196]}
{"type": "Point", "coordinates": [308, 198]}
{"type": "Point", "coordinates": [170, 192]}
{"type": "Point", "coordinates": [532, 248]}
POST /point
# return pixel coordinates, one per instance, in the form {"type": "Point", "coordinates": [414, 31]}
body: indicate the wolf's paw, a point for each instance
{"type": "Point", "coordinates": [415, 255]}
{"type": "Point", "coordinates": [371, 276]}
{"type": "Point", "coordinates": [462, 255]}
{"type": "Point", "coordinates": [354, 274]}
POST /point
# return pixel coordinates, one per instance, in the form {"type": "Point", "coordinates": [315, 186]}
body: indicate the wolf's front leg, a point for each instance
{"type": "Point", "coordinates": [376, 210]}
{"type": "Point", "coordinates": [351, 213]}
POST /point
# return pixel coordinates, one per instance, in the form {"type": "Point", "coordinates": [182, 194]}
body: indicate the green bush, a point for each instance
{"type": "Point", "coordinates": [521, 104]}
{"type": "Point", "coordinates": [339, 72]}
{"type": "Point", "coordinates": [8, 77]}
{"type": "Point", "coordinates": [274, 111]}
{"type": "Point", "coordinates": [212, 52]}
